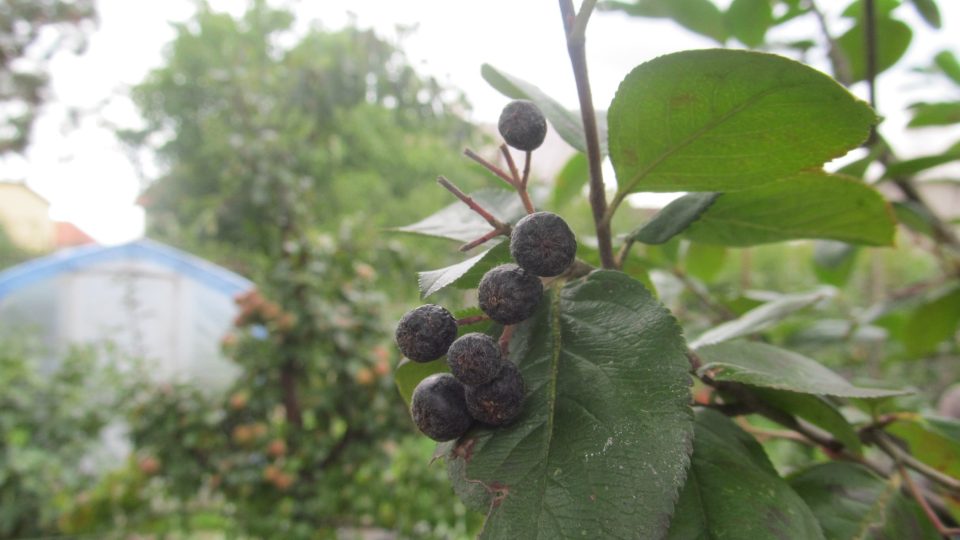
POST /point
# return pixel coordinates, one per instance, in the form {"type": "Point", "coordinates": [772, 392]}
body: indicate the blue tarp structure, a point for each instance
{"type": "Point", "coordinates": [149, 301]}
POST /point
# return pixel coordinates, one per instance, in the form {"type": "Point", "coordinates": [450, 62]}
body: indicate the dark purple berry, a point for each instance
{"type": "Point", "coordinates": [439, 407]}
{"type": "Point", "coordinates": [508, 294]}
{"type": "Point", "coordinates": [425, 333]}
{"type": "Point", "coordinates": [543, 244]}
{"type": "Point", "coordinates": [522, 125]}
{"type": "Point", "coordinates": [474, 359]}
{"type": "Point", "coordinates": [500, 401]}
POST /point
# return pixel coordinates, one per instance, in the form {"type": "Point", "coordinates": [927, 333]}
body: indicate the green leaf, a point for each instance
{"type": "Point", "coordinates": [766, 366]}
{"type": "Point", "coordinates": [814, 409]}
{"type": "Point", "coordinates": [674, 218]}
{"type": "Point", "coordinates": [852, 502]}
{"type": "Point", "coordinates": [806, 205]}
{"type": "Point", "coordinates": [932, 440]}
{"type": "Point", "coordinates": [458, 222]}
{"type": "Point", "coordinates": [732, 490]}
{"type": "Point", "coordinates": [601, 447]}
{"type": "Point", "coordinates": [465, 274]}
{"type": "Point", "coordinates": [893, 39]}
{"type": "Point", "coordinates": [725, 120]}
{"type": "Point", "coordinates": [948, 64]}
{"type": "Point", "coordinates": [570, 180]}
{"type": "Point", "coordinates": [910, 167]}
{"type": "Point", "coordinates": [933, 322]}
{"type": "Point", "coordinates": [833, 262]}
{"type": "Point", "coordinates": [935, 114]}
{"type": "Point", "coordinates": [748, 20]}
{"type": "Point", "coordinates": [409, 374]}
{"type": "Point", "coordinates": [704, 261]}
{"type": "Point", "coordinates": [567, 123]}
{"type": "Point", "coordinates": [761, 317]}
{"type": "Point", "coordinates": [699, 16]}
{"type": "Point", "coordinates": [929, 11]}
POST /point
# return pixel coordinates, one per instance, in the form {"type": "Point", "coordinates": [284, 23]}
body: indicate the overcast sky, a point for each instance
{"type": "Point", "coordinates": [88, 179]}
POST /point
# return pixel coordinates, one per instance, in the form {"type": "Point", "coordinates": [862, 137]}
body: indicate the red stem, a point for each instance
{"type": "Point", "coordinates": [474, 205]}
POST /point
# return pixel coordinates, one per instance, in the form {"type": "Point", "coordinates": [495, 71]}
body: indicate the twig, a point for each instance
{"type": "Point", "coordinates": [839, 62]}
{"type": "Point", "coordinates": [526, 169]}
{"type": "Point", "coordinates": [518, 183]}
{"type": "Point", "coordinates": [578, 60]}
{"type": "Point", "coordinates": [583, 17]}
{"type": "Point", "coordinates": [468, 200]}
{"type": "Point", "coordinates": [924, 504]}
{"type": "Point", "coordinates": [513, 166]}
{"type": "Point", "coordinates": [490, 167]}
{"type": "Point", "coordinates": [485, 238]}
{"type": "Point", "coordinates": [624, 251]}
{"type": "Point", "coordinates": [505, 340]}
{"type": "Point", "coordinates": [466, 321]}
{"type": "Point", "coordinates": [870, 36]}
{"type": "Point", "coordinates": [884, 443]}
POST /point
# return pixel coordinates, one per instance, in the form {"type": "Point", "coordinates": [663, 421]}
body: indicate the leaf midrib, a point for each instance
{"type": "Point", "coordinates": [551, 397]}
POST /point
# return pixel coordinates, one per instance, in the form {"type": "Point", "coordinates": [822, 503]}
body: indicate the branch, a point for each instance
{"type": "Point", "coordinates": [519, 183]}
{"type": "Point", "coordinates": [578, 60]}
{"type": "Point", "coordinates": [839, 62]}
{"type": "Point", "coordinates": [472, 320]}
{"type": "Point", "coordinates": [500, 173]}
{"type": "Point", "coordinates": [526, 169]}
{"type": "Point", "coordinates": [883, 442]}
{"type": "Point", "coordinates": [579, 29]}
{"type": "Point", "coordinates": [918, 496]}
{"type": "Point", "coordinates": [870, 35]}
{"type": "Point", "coordinates": [474, 205]}
{"type": "Point", "coordinates": [485, 238]}
{"type": "Point", "coordinates": [513, 166]}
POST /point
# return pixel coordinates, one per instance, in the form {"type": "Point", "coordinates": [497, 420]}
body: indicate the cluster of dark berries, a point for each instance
{"type": "Point", "coordinates": [543, 246]}
{"type": "Point", "coordinates": [480, 386]}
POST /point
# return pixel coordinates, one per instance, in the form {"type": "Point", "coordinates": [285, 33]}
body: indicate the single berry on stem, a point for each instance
{"type": "Point", "coordinates": [543, 244]}
{"type": "Point", "coordinates": [439, 408]}
{"type": "Point", "coordinates": [508, 294]}
{"type": "Point", "coordinates": [425, 333]}
{"type": "Point", "coordinates": [500, 401]}
{"type": "Point", "coordinates": [474, 358]}
{"type": "Point", "coordinates": [522, 125]}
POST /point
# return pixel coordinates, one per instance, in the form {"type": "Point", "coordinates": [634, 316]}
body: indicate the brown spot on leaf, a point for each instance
{"type": "Point", "coordinates": [499, 492]}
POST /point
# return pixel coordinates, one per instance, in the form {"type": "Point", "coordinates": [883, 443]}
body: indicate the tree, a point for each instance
{"type": "Point", "coordinates": [31, 32]}
{"type": "Point", "coordinates": [280, 153]}
{"type": "Point", "coordinates": [234, 116]}
{"type": "Point", "coordinates": [611, 441]}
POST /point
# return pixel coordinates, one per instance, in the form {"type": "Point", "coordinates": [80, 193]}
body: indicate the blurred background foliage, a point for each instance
{"type": "Point", "coordinates": [284, 155]}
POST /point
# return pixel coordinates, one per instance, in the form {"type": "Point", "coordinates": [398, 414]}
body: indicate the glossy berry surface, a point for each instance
{"type": "Point", "coordinates": [425, 333]}
{"type": "Point", "coordinates": [439, 408]}
{"type": "Point", "coordinates": [500, 401]}
{"type": "Point", "coordinates": [543, 244]}
{"type": "Point", "coordinates": [508, 294]}
{"type": "Point", "coordinates": [474, 358]}
{"type": "Point", "coordinates": [522, 125]}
